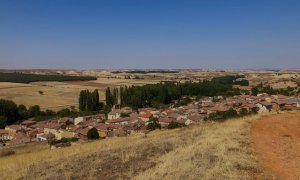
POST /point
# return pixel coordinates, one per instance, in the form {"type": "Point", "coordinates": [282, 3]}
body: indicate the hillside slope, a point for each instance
{"type": "Point", "coordinates": [208, 151]}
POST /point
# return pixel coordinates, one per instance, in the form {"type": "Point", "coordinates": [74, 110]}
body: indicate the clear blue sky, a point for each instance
{"type": "Point", "coordinates": [144, 34]}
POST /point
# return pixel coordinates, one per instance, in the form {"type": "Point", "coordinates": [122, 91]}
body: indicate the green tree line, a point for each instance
{"type": "Point", "coordinates": [89, 101]}
{"type": "Point", "coordinates": [232, 79]}
{"type": "Point", "coordinates": [261, 88]}
{"type": "Point", "coordinates": [165, 92]}
{"type": "Point", "coordinates": [11, 113]}
{"type": "Point", "coordinates": [27, 78]}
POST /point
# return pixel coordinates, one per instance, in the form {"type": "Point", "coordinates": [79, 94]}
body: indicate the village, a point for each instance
{"type": "Point", "coordinates": [125, 121]}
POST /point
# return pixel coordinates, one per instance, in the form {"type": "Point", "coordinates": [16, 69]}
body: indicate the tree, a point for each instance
{"type": "Point", "coordinates": [34, 111]}
{"type": "Point", "coordinates": [81, 101]}
{"type": "Point", "coordinates": [9, 109]}
{"type": "Point", "coordinates": [23, 113]}
{"type": "Point", "coordinates": [96, 100]}
{"type": "Point", "coordinates": [50, 113]}
{"type": "Point", "coordinates": [115, 96]}
{"type": "Point", "coordinates": [93, 134]}
{"type": "Point", "coordinates": [3, 120]}
{"type": "Point", "coordinates": [109, 97]}
{"type": "Point", "coordinates": [243, 112]}
{"type": "Point", "coordinates": [174, 125]}
{"type": "Point", "coordinates": [123, 115]}
{"type": "Point", "coordinates": [153, 124]}
{"type": "Point", "coordinates": [89, 101]}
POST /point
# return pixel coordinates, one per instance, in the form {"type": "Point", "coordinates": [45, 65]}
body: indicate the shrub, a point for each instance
{"type": "Point", "coordinates": [93, 134]}
{"type": "Point", "coordinates": [63, 140]}
{"type": "Point", "coordinates": [123, 115]}
{"type": "Point", "coordinates": [243, 112]}
{"type": "Point", "coordinates": [153, 124]}
{"type": "Point", "coordinates": [254, 110]}
{"type": "Point", "coordinates": [174, 125]}
{"type": "Point", "coordinates": [219, 116]}
{"type": "Point", "coordinates": [3, 120]}
{"type": "Point", "coordinates": [7, 153]}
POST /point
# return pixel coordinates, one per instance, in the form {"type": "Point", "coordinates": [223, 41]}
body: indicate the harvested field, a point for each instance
{"type": "Point", "coordinates": [103, 83]}
{"type": "Point", "coordinates": [277, 141]}
{"type": "Point", "coordinates": [207, 151]}
{"type": "Point", "coordinates": [57, 95]}
{"type": "Point", "coordinates": [54, 95]}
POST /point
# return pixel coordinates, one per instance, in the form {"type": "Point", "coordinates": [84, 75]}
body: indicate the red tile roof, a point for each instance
{"type": "Point", "coordinates": [28, 122]}
{"type": "Point", "coordinates": [119, 120]}
{"type": "Point", "coordinates": [166, 120]}
{"type": "Point", "coordinates": [147, 115]}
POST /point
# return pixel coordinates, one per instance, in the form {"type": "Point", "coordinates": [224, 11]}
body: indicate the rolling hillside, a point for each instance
{"type": "Point", "coordinates": [210, 151]}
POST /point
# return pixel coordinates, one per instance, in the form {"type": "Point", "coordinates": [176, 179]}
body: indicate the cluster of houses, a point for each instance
{"type": "Point", "coordinates": [125, 121]}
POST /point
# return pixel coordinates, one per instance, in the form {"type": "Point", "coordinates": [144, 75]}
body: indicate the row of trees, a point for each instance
{"type": "Point", "coordinates": [11, 113]}
{"type": "Point", "coordinates": [27, 78]}
{"type": "Point", "coordinates": [231, 113]}
{"type": "Point", "coordinates": [89, 101]}
{"type": "Point", "coordinates": [261, 88]}
{"type": "Point", "coordinates": [232, 79]}
{"type": "Point", "coordinates": [165, 92]}
{"type": "Point", "coordinates": [111, 96]}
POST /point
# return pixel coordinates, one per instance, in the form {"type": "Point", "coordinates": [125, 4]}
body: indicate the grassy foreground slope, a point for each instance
{"type": "Point", "coordinates": [209, 151]}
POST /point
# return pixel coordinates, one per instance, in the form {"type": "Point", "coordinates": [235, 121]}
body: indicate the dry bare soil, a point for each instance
{"type": "Point", "coordinates": [277, 141]}
{"type": "Point", "coordinates": [206, 151]}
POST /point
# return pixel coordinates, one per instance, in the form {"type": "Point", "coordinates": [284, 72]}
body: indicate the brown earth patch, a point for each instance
{"type": "Point", "coordinates": [277, 141]}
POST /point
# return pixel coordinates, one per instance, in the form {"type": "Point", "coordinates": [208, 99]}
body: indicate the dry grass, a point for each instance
{"type": "Point", "coordinates": [54, 94]}
{"type": "Point", "coordinates": [208, 151]}
{"type": "Point", "coordinates": [57, 95]}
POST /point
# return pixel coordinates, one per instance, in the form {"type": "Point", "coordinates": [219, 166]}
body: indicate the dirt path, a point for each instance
{"type": "Point", "coordinates": [277, 140]}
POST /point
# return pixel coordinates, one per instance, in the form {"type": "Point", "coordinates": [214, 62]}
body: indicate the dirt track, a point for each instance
{"type": "Point", "coordinates": [277, 140]}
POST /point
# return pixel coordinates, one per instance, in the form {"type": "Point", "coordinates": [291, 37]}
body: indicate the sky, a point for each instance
{"type": "Point", "coordinates": [149, 34]}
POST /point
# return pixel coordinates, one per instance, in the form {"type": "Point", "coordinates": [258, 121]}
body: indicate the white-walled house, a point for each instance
{"type": "Point", "coordinates": [78, 120]}
{"type": "Point", "coordinates": [115, 114]}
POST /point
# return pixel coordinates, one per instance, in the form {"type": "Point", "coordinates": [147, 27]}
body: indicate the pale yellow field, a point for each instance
{"type": "Point", "coordinates": [55, 95]}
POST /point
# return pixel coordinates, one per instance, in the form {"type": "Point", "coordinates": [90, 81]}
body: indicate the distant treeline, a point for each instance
{"type": "Point", "coordinates": [261, 88]}
{"type": "Point", "coordinates": [11, 113]}
{"type": "Point", "coordinates": [28, 78]}
{"type": "Point", "coordinates": [232, 79]}
{"type": "Point", "coordinates": [166, 92]}
{"type": "Point", "coordinates": [144, 71]}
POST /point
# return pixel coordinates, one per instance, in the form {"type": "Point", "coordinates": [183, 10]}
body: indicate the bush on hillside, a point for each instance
{"type": "Point", "coordinates": [174, 125]}
{"type": "Point", "coordinates": [153, 124]}
{"type": "Point", "coordinates": [93, 134]}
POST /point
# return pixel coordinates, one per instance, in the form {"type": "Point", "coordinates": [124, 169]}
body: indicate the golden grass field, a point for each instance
{"type": "Point", "coordinates": [57, 95]}
{"type": "Point", "coordinates": [206, 151]}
